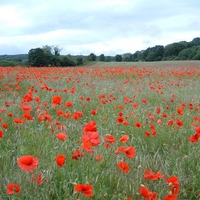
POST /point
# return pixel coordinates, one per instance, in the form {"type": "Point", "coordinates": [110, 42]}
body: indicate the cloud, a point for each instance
{"type": "Point", "coordinates": [106, 26]}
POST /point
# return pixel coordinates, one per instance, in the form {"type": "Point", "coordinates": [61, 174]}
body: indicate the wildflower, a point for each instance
{"type": "Point", "coordinates": [110, 139]}
{"type": "Point", "coordinates": [77, 155]}
{"type": "Point", "coordinates": [37, 178]}
{"type": "Point", "coordinates": [124, 167]}
{"type": "Point", "coordinates": [56, 100]}
{"type": "Point", "coordinates": [129, 152]}
{"type": "Point", "coordinates": [149, 175]}
{"type": "Point", "coordinates": [18, 120]}
{"type": "Point", "coordinates": [12, 189]}
{"type": "Point", "coordinates": [120, 120]}
{"type": "Point", "coordinates": [138, 124]}
{"type": "Point", "coordinates": [1, 133]}
{"type": "Point", "coordinates": [179, 111]}
{"type": "Point", "coordinates": [87, 189]}
{"type": "Point", "coordinates": [61, 136]}
{"type": "Point", "coordinates": [174, 183]}
{"type": "Point", "coordinates": [124, 138]}
{"type": "Point", "coordinates": [4, 125]}
{"type": "Point", "coordinates": [179, 122]}
{"type": "Point", "coordinates": [90, 127]}
{"type": "Point", "coordinates": [171, 197]}
{"type": "Point", "coordinates": [147, 194]}
{"type": "Point", "coordinates": [68, 104]}
{"type": "Point", "coordinates": [98, 158]}
{"type": "Point", "coordinates": [27, 163]}
{"type": "Point", "coordinates": [93, 112]}
{"type": "Point", "coordinates": [92, 138]}
{"type": "Point", "coordinates": [60, 160]}
{"type": "Point", "coordinates": [194, 138]}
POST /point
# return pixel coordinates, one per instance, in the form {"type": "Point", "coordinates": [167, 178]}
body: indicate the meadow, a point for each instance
{"type": "Point", "coordinates": [119, 132]}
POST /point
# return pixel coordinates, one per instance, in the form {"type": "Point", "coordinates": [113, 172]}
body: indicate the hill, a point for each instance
{"type": "Point", "coordinates": [182, 50]}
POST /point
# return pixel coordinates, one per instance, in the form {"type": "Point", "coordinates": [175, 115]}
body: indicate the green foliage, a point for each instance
{"type": "Point", "coordinates": [65, 61]}
{"type": "Point", "coordinates": [37, 58]}
{"type": "Point", "coordinates": [92, 57]}
{"type": "Point", "coordinates": [102, 58]}
{"type": "Point", "coordinates": [176, 51]}
{"type": "Point", "coordinates": [127, 57]}
{"type": "Point", "coordinates": [118, 58]}
{"type": "Point", "coordinates": [79, 60]}
{"type": "Point", "coordinates": [108, 58]}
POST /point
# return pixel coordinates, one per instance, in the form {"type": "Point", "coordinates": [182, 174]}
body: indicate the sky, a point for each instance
{"type": "Point", "coordinates": [81, 27]}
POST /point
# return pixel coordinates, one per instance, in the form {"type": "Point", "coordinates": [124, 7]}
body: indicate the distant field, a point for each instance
{"type": "Point", "coordinates": [147, 64]}
{"type": "Point", "coordinates": [125, 131]}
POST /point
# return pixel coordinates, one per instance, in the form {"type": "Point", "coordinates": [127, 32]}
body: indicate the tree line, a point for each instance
{"type": "Point", "coordinates": [50, 55]}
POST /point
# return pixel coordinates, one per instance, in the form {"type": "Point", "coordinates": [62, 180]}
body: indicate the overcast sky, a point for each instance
{"type": "Point", "coordinates": [96, 26]}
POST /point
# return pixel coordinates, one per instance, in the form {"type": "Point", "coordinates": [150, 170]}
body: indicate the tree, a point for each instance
{"type": "Point", "coordinates": [108, 59]}
{"type": "Point", "coordinates": [173, 50]}
{"type": "Point", "coordinates": [151, 56]}
{"type": "Point", "coordinates": [79, 60]}
{"type": "Point", "coordinates": [118, 58]}
{"type": "Point", "coordinates": [66, 61]}
{"type": "Point", "coordinates": [92, 57]}
{"type": "Point", "coordinates": [102, 58]}
{"type": "Point", "coordinates": [36, 57]}
{"type": "Point", "coordinates": [51, 55]}
{"type": "Point", "coordinates": [56, 50]}
{"type": "Point", "coordinates": [127, 57]}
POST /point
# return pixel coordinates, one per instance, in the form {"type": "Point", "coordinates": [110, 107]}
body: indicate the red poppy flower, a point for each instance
{"type": "Point", "coordinates": [28, 116]}
{"type": "Point", "coordinates": [27, 163]}
{"type": "Point", "coordinates": [18, 120]}
{"type": "Point", "coordinates": [92, 138]}
{"type": "Point", "coordinates": [179, 111]}
{"type": "Point", "coordinates": [149, 175]}
{"type": "Point", "coordinates": [26, 107]}
{"type": "Point", "coordinates": [61, 136]}
{"type": "Point", "coordinates": [37, 178]}
{"type": "Point", "coordinates": [93, 112]}
{"type": "Point", "coordinates": [147, 194]}
{"type": "Point", "coordinates": [129, 152]}
{"type": "Point", "coordinates": [179, 122]}
{"type": "Point", "coordinates": [171, 197]}
{"type": "Point", "coordinates": [194, 138]}
{"type": "Point", "coordinates": [4, 125]}
{"type": "Point", "coordinates": [56, 100]}
{"type": "Point", "coordinates": [147, 134]}
{"type": "Point", "coordinates": [119, 150]}
{"type": "Point", "coordinates": [170, 123]}
{"type": "Point", "coordinates": [124, 138]}
{"type": "Point", "coordinates": [98, 158]}
{"type": "Point", "coordinates": [124, 167]}
{"type": "Point", "coordinates": [197, 130]}
{"type": "Point", "coordinates": [87, 189]}
{"type": "Point", "coordinates": [144, 100]}
{"type": "Point", "coordinates": [1, 133]}
{"type": "Point", "coordinates": [13, 188]}
{"type": "Point", "coordinates": [120, 120]}
{"type": "Point", "coordinates": [172, 180]}
{"type": "Point", "coordinates": [68, 104]}
{"type": "Point", "coordinates": [77, 155]}
{"type": "Point", "coordinates": [60, 160]}
{"type": "Point", "coordinates": [138, 124]}
{"type": "Point", "coordinates": [90, 127]}
{"type": "Point", "coordinates": [110, 139]}
{"type": "Point", "coordinates": [158, 110]}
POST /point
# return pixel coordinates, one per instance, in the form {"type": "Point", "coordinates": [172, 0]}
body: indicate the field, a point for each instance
{"type": "Point", "coordinates": [127, 131]}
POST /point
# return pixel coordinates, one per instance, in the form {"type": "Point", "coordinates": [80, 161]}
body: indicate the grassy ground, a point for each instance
{"type": "Point", "coordinates": [159, 108]}
{"type": "Point", "coordinates": [147, 64]}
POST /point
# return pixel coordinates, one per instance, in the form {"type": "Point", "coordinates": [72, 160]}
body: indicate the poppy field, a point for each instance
{"type": "Point", "coordinates": [102, 133]}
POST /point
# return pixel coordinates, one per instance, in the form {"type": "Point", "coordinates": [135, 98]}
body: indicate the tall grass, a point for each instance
{"type": "Point", "coordinates": [169, 151]}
